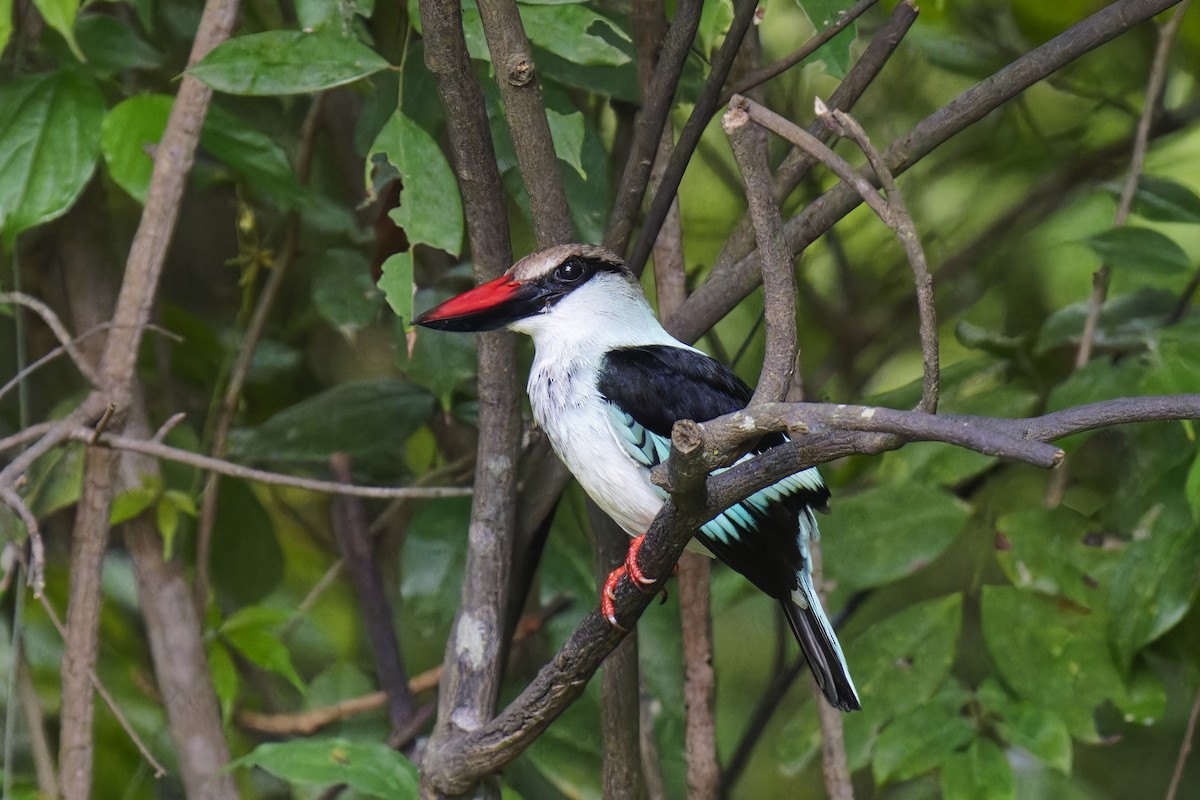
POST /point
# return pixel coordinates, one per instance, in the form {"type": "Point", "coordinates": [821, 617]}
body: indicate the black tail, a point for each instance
{"type": "Point", "coordinates": [824, 654]}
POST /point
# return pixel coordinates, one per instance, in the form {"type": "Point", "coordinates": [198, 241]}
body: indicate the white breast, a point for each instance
{"type": "Point", "coordinates": [567, 404]}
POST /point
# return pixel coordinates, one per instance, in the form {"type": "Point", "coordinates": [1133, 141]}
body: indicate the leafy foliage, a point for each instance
{"type": "Point", "coordinates": [1002, 648]}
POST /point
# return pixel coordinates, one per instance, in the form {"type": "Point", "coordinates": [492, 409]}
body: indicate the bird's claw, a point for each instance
{"type": "Point", "coordinates": [639, 579]}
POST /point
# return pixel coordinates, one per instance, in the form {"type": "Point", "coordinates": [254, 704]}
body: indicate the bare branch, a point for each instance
{"type": "Point", "coordinates": [94, 679]}
{"type": "Point", "coordinates": [308, 722]}
{"type": "Point", "coordinates": [797, 163]}
{"type": "Point", "coordinates": [525, 112]}
{"type": "Point", "coordinates": [727, 287]}
{"type": "Point", "coordinates": [37, 554]}
{"type": "Point", "coordinates": [60, 332]}
{"type": "Point", "coordinates": [706, 106]}
{"type": "Point", "coordinates": [657, 97]}
{"type": "Point", "coordinates": [749, 143]}
{"type": "Point", "coordinates": [900, 221]}
{"type": "Point", "coordinates": [761, 76]}
{"type": "Point", "coordinates": [474, 657]}
{"type": "Point", "coordinates": [358, 551]}
{"type": "Point", "coordinates": [47, 358]}
{"type": "Point", "coordinates": [1185, 748]}
{"type": "Point", "coordinates": [149, 447]}
{"type": "Point", "coordinates": [1154, 89]}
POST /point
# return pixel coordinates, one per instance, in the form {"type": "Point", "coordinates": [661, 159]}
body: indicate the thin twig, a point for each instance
{"type": "Point", "coordinates": [166, 452]}
{"type": "Point", "coordinates": [900, 221]}
{"type": "Point", "coordinates": [796, 164]}
{"type": "Point", "coordinates": [1185, 748]}
{"type": "Point", "coordinates": [657, 93]}
{"type": "Point", "coordinates": [1137, 160]}
{"type": "Point", "coordinates": [309, 721]}
{"type": "Point", "coordinates": [253, 334]}
{"type": "Point", "coordinates": [60, 332]}
{"type": "Point", "coordinates": [29, 369]}
{"type": "Point", "coordinates": [36, 579]}
{"type": "Point", "coordinates": [689, 137]}
{"type": "Point", "coordinates": [761, 76]}
{"type": "Point", "coordinates": [159, 770]}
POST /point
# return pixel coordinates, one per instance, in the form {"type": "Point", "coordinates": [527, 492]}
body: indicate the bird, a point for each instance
{"type": "Point", "coordinates": [607, 385]}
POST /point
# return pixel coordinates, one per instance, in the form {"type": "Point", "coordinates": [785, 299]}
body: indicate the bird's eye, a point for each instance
{"type": "Point", "coordinates": [569, 271]}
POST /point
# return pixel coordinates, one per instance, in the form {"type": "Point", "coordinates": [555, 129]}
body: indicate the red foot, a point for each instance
{"type": "Point", "coordinates": [638, 578]}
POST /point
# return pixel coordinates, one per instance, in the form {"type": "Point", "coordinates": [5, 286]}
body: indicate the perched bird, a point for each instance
{"type": "Point", "coordinates": [607, 385]}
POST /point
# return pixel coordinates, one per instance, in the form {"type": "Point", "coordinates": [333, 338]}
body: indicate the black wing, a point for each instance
{"type": "Point", "coordinates": [657, 385]}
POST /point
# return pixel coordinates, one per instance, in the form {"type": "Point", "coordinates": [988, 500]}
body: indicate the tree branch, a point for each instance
{"type": "Point", "coordinates": [526, 116]}
{"type": "Point", "coordinates": [648, 129]}
{"type": "Point", "coordinates": [706, 105]}
{"type": "Point", "coordinates": [764, 74]}
{"type": "Point", "coordinates": [727, 287]}
{"type": "Point", "coordinates": [475, 654]}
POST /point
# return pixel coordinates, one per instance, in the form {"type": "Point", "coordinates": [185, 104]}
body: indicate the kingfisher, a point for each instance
{"type": "Point", "coordinates": [607, 385]}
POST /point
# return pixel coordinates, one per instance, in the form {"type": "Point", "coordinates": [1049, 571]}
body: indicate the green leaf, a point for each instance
{"type": "Point", "coordinates": [60, 15]}
{"type": "Point", "coordinates": [226, 681]}
{"type": "Point", "coordinates": [371, 768]}
{"type": "Point", "coordinates": [370, 420]}
{"type": "Point", "coordinates": [898, 664]}
{"type": "Point", "coordinates": [1176, 361]}
{"type": "Point", "coordinates": [50, 130]}
{"type": "Point", "coordinates": [166, 517]}
{"type": "Point", "coordinates": [1141, 249]}
{"type": "Point", "coordinates": [836, 52]}
{"type": "Point", "coordinates": [981, 772]}
{"type": "Point", "coordinates": [1038, 730]}
{"type": "Point", "coordinates": [132, 502]}
{"type": "Point", "coordinates": [128, 136]}
{"type": "Point", "coordinates": [430, 210]}
{"type": "Point", "coordinates": [1155, 583]}
{"type": "Point", "coordinates": [1129, 321]}
{"type": "Point", "coordinates": [922, 522]}
{"type": "Point", "coordinates": [112, 46]}
{"type": "Point", "coordinates": [55, 481]}
{"type": "Point", "coordinates": [250, 631]}
{"type": "Point", "coordinates": [396, 283]}
{"type": "Point", "coordinates": [6, 23]}
{"type": "Point", "coordinates": [1049, 551]}
{"type": "Point", "coordinates": [440, 362]}
{"type": "Point", "coordinates": [575, 32]}
{"type": "Point", "coordinates": [924, 738]}
{"type": "Point", "coordinates": [258, 159]}
{"type": "Point", "coordinates": [287, 62]}
{"type": "Point", "coordinates": [567, 132]}
{"type": "Point", "coordinates": [1051, 653]}
{"type": "Point", "coordinates": [1192, 488]}
{"type": "Point", "coordinates": [342, 290]}
{"type": "Point", "coordinates": [1165, 200]}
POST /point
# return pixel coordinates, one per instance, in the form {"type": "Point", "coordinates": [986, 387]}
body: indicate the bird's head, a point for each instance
{"type": "Point", "coordinates": [544, 291]}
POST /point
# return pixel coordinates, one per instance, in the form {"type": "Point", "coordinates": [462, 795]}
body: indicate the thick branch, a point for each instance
{"type": "Point", "coordinates": [749, 143]}
{"type": "Point", "coordinates": [475, 654]}
{"type": "Point", "coordinates": [526, 117]}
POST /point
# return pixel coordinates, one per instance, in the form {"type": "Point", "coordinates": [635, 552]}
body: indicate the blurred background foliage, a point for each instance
{"type": "Point", "coordinates": [1002, 648]}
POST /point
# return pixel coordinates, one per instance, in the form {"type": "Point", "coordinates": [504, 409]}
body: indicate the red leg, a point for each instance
{"type": "Point", "coordinates": [635, 572]}
{"type": "Point", "coordinates": [609, 595]}
{"type": "Point", "coordinates": [638, 578]}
